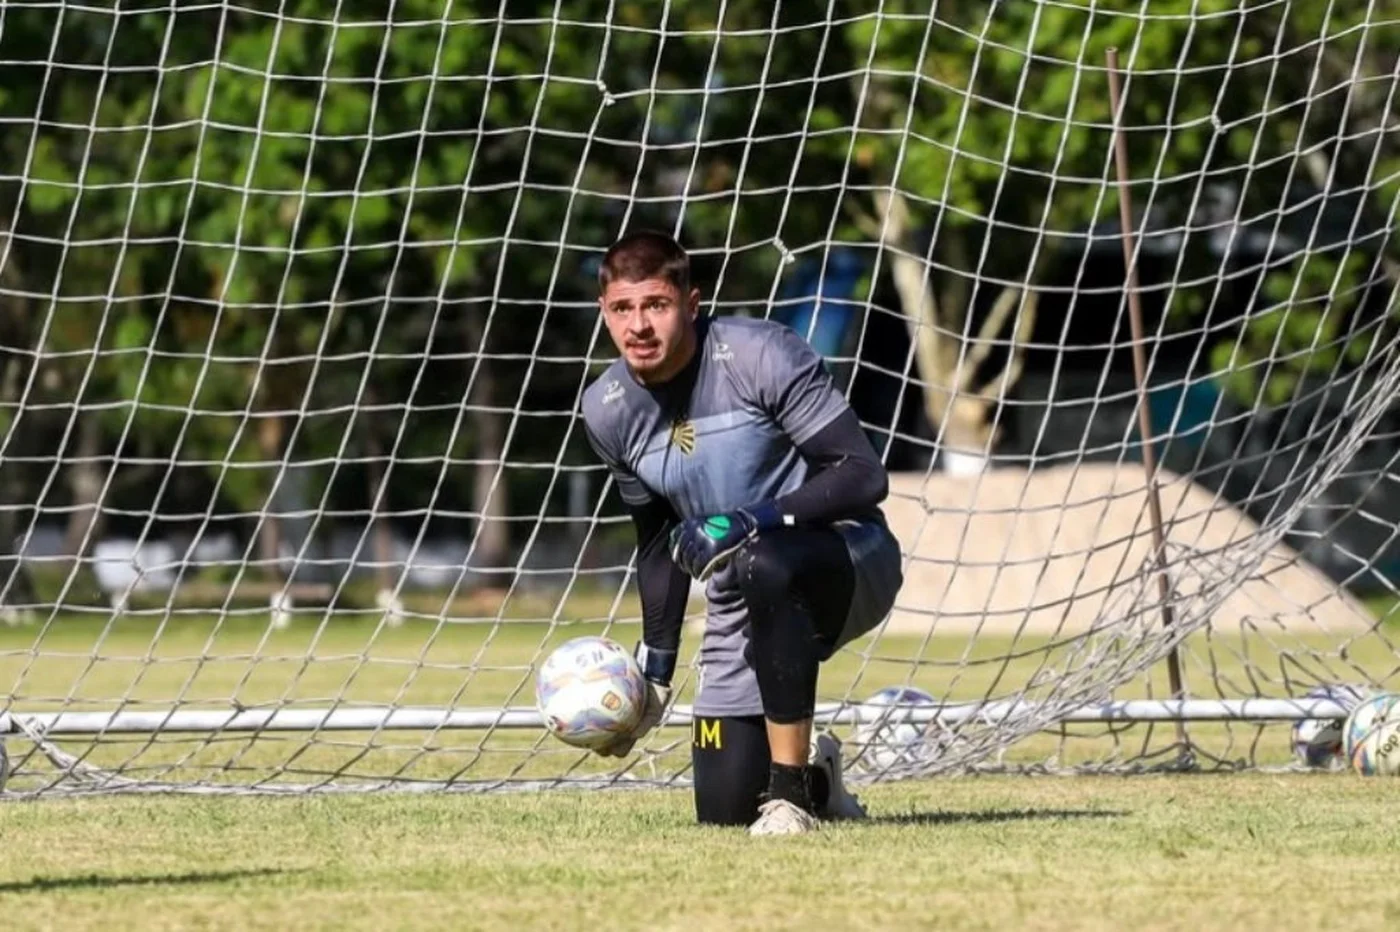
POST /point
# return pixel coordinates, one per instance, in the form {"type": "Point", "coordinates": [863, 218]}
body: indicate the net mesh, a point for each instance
{"type": "Point", "coordinates": [297, 305]}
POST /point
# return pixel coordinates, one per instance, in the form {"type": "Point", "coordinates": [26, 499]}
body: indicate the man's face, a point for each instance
{"type": "Point", "coordinates": [652, 324]}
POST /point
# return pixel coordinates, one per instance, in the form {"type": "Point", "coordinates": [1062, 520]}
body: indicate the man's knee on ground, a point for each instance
{"type": "Point", "coordinates": [725, 807]}
{"type": "Point", "coordinates": [729, 757]}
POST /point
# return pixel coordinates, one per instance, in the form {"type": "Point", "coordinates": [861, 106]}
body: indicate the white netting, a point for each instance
{"type": "Point", "coordinates": [296, 306]}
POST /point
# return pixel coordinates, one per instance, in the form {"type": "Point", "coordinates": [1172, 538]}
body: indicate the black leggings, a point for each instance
{"type": "Point", "coordinates": [797, 585]}
{"type": "Point", "coordinates": [729, 757]}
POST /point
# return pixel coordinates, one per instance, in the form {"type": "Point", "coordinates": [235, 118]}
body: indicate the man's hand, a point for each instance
{"type": "Point", "coordinates": [701, 546]}
{"type": "Point", "coordinates": [657, 698]}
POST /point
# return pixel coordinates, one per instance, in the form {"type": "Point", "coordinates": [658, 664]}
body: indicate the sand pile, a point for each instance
{"type": "Point", "coordinates": [1011, 550]}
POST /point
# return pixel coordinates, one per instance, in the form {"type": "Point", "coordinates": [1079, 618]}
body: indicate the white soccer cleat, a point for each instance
{"type": "Point", "coordinates": [840, 804]}
{"type": "Point", "coordinates": [780, 817]}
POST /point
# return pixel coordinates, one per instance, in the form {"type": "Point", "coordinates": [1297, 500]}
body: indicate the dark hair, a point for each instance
{"type": "Point", "coordinates": [645, 254]}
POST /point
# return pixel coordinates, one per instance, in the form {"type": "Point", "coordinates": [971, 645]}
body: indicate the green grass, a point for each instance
{"type": "Point", "coordinates": [195, 660]}
{"type": "Point", "coordinates": [1204, 850]}
{"type": "Point", "coordinates": [1182, 852]}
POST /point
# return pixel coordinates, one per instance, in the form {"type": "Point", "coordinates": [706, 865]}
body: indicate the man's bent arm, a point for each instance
{"type": "Point", "coordinates": [664, 589]}
{"type": "Point", "coordinates": [847, 478]}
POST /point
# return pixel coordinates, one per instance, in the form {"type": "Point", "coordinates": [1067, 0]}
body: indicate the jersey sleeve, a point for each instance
{"type": "Point", "coordinates": [794, 386]}
{"type": "Point", "coordinates": [630, 487]}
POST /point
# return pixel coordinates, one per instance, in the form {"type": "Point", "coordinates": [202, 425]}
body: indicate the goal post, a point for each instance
{"type": "Point", "coordinates": [297, 306]}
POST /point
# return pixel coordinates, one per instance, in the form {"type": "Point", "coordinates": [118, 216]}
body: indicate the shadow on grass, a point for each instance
{"type": "Point", "coordinates": [108, 881]}
{"type": "Point", "coordinates": [990, 816]}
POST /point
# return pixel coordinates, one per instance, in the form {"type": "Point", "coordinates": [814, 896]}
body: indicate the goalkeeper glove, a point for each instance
{"type": "Point", "coordinates": [701, 546]}
{"type": "Point", "coordinates": [657, 667]}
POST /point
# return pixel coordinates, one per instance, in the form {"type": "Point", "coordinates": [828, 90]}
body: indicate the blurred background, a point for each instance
{"type": "Point", "coordinates": [301, 294]}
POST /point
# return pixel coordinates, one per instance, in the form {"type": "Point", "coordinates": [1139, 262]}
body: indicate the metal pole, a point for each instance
{"type": "Point", "coordinates": [1149, 456]}
{"type": "Point", "coordinates": [204, 721]}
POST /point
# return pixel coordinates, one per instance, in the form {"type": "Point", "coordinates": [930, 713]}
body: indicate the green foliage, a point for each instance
{"type": "Point", "coordinates": [216, 197]}
{"type": "Point", "coordinates": [999, 119]}
{"type": "Point", "coordinates": [1302, 331]}
{"type": "Point", "coordinates": [253, 216]}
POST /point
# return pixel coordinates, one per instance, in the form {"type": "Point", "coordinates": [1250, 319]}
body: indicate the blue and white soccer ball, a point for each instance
{"type": "Point", "coordinates": [589, 690]}
{"type": "Point", "coordinates": [1317, 742]}
{"type": "Point", "coordinates": [1371, 739]}
{"type": "Point", "coordinates": [892, 738]}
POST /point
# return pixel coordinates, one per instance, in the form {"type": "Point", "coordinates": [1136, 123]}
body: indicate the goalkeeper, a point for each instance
{"type": "Point", "coordinates": [742, 466]}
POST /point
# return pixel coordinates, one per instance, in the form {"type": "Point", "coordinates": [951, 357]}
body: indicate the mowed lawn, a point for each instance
{"type": "Point", "coordinates": [1149, 852]}
{"type": "Point", "coordinates": [1196, 851]}
{"type": "Point", "coordinates": [200, 661]}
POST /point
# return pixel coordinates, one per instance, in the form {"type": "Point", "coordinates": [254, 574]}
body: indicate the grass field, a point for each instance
{"type": "Point", "coordinates": [1252, 850]}
{"type": "Point", "coordinates": [1182, 852]}
{"type": "Point", "coordinates": [202, 661]}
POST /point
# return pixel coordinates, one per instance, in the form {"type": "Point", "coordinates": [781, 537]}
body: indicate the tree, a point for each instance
{"type": "Point", "coordinates": [277, 248]}
{"type": "Point", "coordinates": [359, 243]}
{"type": "Point", "coordinates": [993, 119]}
{"type": "Point", "coordinates": [973, 141]}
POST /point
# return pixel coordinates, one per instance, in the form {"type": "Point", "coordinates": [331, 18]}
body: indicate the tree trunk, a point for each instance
{"type": "Point", "coordinates": [18, 328]}
{"type": "Point", "coordinates": [270, 434]}
{"type": "Point", "coordinates": [381, 533]}
{"type": "Point", "coordinates": [490, 495]}
{"type": "Point", "coordinates": [16, 496]}
{"type": "Point", "coordinates": [85, 481]}
{"type": "Point", "coordinates": [960, 410]}
{"type": "Point", "coordinates": [489, 500]}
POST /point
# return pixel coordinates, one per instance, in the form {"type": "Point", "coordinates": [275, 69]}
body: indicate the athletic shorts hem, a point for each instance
{"type": "Point", "coordinates": [735, 712]}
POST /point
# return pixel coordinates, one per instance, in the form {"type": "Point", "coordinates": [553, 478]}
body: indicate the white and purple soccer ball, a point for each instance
{"type": "Point", "coordinates": [589, 690]}
{"type": "Point", "coordinates": [1371, 737]}
{"type": "Point", "coordinates": [1318, 742]}
{"type": "Point", "coordinates": [888, 735]}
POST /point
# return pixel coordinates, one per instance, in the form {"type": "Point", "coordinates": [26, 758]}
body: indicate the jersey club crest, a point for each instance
{"type": "Point", "coordinates": [683, 435]}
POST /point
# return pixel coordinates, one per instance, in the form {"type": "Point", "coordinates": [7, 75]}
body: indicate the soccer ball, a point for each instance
{"type": "Point", "coordinates": [891, 739]}
{"type": "Point", "coordinates": [589, 690]}
{"type": "Point", "coordinates": [1371, 739]}
{"type": "Point", "coordinates": [1317, 742]}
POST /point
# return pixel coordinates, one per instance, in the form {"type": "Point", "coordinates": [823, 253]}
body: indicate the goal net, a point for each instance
{"type": "Point", "coordinates": [297, 303]}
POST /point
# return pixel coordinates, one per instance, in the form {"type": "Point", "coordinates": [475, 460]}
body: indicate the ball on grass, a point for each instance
{"type": "Point", "coordinates": [1317, 742]}
{"type": "Point", "coordinates": [892, 738]}
{"type": "Point", "coordinates": [1371, 739]}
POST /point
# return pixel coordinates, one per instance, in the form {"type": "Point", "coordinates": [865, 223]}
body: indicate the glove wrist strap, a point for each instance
{"type": "Point", "coordinates": [767, 515]}
{"type": "Point", "coordinates": [658, 666]}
